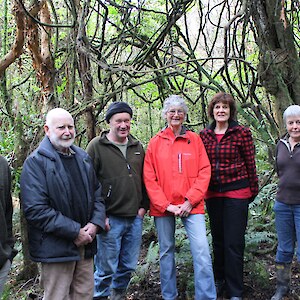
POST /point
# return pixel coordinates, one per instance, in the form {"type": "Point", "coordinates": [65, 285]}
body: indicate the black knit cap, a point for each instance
{"type": "Point", "coordinates": [117, 107]}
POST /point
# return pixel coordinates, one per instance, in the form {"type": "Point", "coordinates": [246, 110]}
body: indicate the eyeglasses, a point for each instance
{"type": "Point", "coordinates": [179, 112]}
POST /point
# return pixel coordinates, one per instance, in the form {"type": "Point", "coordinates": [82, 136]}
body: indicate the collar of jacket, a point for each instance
{"type": "Point", "coordinates": [46, 149]}
{"type": "Point", "coordinates": [104, 140]}
{"type": "Point", "coordinates": [285, 139]}
{"type": "Point", "coordinates": [232, 124]}
{"type": "Point", "coordinates": [168, 131]}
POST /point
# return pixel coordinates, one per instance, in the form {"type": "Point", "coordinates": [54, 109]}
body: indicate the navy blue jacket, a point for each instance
{"type": "Point", "coordinates": [45, 196]}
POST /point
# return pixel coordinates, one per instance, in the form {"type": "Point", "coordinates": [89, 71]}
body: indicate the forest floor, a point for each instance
{"type": "Point", "coordinates": [259, 282]}
{"type": "Point", "coordinates": [259, 275]}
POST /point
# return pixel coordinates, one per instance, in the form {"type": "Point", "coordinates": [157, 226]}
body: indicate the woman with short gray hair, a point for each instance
{"type": "Point", "coordinates": [287, 203]}
{"type": "Point", "coordinates": [174, 100]}
{"type": "Point", "coordinates": [176, 175]}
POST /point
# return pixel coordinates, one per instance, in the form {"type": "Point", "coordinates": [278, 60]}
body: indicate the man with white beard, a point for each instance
{"type": "Point", "coordinates": [62, 203]}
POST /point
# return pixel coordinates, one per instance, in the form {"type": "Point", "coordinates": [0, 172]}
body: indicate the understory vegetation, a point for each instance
{"type": "Point", "coordinates": [259, 272]}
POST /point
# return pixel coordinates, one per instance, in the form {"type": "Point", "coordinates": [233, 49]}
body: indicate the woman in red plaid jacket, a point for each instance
{"type": "Point", "coordinates": [233, 185]}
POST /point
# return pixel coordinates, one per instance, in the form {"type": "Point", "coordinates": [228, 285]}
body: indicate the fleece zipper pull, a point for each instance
{"type": "Point", "coordinates": [129, 170]}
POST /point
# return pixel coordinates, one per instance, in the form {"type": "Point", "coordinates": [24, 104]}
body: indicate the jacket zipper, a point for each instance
{"type": "Point", "coordinates": [180, 163]}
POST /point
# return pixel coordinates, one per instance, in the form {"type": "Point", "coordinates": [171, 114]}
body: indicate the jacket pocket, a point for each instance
{"type": "Point", "coordinates": [188, 164]}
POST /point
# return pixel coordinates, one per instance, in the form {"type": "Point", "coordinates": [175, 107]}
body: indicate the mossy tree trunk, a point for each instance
{"type": "Point", "coordinates": [279, 66]}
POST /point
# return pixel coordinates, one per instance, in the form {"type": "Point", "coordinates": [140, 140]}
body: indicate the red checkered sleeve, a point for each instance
{"type": "Point", "coordinates": [248, 153]}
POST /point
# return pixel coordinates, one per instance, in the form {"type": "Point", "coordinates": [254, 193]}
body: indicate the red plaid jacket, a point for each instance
{"type": "Point", "coordinates": [232, 160]}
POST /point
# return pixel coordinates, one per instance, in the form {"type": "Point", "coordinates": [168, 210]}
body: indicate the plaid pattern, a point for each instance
{"type": "Point", "coordinates": [232, 160]}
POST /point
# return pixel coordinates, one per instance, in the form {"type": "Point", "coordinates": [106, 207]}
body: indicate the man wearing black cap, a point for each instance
{"type": "Point", "coordinates": [118, 160]}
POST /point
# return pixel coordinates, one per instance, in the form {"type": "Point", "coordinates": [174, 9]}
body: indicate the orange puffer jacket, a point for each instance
{"type": "Point", "coordinates": [176, 168]}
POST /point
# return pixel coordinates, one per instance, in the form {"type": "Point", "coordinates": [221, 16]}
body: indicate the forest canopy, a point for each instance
{"type": "Point", "coordinates": [83, 54]}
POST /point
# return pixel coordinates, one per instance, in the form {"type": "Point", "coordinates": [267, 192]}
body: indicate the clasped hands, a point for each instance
{"type": "Point", "coordinates": [181, 210]}
{"type": "Point", "coordinates": [86, 234]}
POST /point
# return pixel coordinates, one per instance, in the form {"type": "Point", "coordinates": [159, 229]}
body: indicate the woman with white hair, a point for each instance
{"type": "Point", "coordinates": [176, 175]}
{"type": "Point", "coordinates": [287, 203]}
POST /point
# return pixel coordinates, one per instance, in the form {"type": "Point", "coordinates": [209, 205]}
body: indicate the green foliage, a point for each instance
{"type": "Point", "coordinates": [5, 294]}
{"type": "Point", "coordinates": [146, 121]}
{"type": "Point", "coordinates": [184, 261]}
{"type": "Point", "coordinates": [258, 273]}
{"type": "Point", "coordinates": [149, 230]}
{"type": "Point", "coordinates": [261, 235]}
{"type": "Point", "coordinates": [62, 87]}
{"type": "Point", "coordinates": [7, 140]}
{"type": "Point", "coordinates": [148, 265]}
{"type": "Point", "coordinates": [130, 63]}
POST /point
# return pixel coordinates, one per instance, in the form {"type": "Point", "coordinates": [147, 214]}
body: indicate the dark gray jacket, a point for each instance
{"type": "Point", "coordinates": [45, 195]}
{"type": "Point", "coordinates": [6, 237]}
{"type": "Point", "coordinates": [288, 170]}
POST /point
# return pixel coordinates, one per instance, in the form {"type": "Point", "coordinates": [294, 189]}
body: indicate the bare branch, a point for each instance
{"type": "Point", "coordinates": [17, 47]}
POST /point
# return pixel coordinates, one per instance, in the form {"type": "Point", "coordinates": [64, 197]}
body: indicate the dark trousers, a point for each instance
{"type": "Point", "coordinates": [228, 221]}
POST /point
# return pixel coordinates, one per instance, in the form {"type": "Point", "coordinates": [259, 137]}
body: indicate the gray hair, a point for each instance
{"type": "Point", "coordinates": [291, 111]}
{"type": "Point", "coordinates": [174, 100]}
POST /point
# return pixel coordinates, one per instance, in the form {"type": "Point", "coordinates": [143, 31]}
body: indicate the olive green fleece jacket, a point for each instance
{"type": "Point", "coordinates": [122, 178]}
{"type": "Point", "coordinates": [6, 236]}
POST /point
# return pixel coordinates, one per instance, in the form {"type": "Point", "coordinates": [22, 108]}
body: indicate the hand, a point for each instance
{"type": "Point", "coordinates": [107, 226]}
{"type": "Point", "coordinates": [91, 229]}
{"type": "Point", "coordinates": [185, 209]}
{"type": "Point", "coordinates": [174, 209]}
{"type": "Point", "coordinates": [83, 238]}
{"type": "Point", "coordinates": [141, 212]}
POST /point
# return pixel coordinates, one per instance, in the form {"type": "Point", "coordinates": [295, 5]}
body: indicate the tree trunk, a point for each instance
{"type": "Point", "coordinates": [29, 268]}
{"type": "Point", "coordinates": [39, 46]}
{"type": "Point", "coordinates": [279, 66]}
{"type": "Point", "coordinates": [17, 47]}
{"type": "Point", "coordinates": [84, 69]}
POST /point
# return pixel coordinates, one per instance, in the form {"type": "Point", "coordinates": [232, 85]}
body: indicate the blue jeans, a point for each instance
{"type": "Point", "coordinates": [287, 221]}
{"type": "Point", "coordinates": [203, 273]}
{"type": "Point", "coordinates": [117, 254]}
